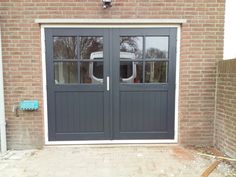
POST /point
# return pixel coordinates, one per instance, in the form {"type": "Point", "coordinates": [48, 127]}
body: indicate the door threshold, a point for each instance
{"type": "Point", "coordinates": [107, 142]}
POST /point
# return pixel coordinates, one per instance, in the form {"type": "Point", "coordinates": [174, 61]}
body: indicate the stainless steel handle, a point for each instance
{"type": "Point", "coordinates": [108, 83]}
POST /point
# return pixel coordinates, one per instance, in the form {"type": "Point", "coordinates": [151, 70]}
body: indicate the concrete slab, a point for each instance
{"type": "Point", "coordinates": [109, 161]}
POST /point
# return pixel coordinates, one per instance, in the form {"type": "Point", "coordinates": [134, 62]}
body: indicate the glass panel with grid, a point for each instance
{"type": "Point", "coordinates": [78, 60]}
{"type": "Point", "coordinates": [144, 59]}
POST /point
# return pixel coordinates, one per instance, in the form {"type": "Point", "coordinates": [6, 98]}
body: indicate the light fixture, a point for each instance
{"type": "Point", "coordinates": [106, 4]}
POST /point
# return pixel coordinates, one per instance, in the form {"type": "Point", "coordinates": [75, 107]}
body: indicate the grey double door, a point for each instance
{"type": "Point", "coordinates": [105, 84]}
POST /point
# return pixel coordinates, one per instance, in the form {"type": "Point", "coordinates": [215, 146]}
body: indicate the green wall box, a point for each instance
{"type": "Point", "coordinates": [29, 105]}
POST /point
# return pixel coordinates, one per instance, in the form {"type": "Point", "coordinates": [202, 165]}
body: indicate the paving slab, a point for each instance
{"type": "Point", "coordinates": [109, 161]}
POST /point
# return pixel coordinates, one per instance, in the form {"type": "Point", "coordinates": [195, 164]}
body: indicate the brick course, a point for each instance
{"type": "Point", "coordinates": [225, 122]}
{"type": "Point", "coordinates": [201, 49]}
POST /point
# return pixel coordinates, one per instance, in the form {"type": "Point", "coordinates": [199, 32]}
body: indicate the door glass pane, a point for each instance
{"type": "Point", "coordinates": [131, 72]}
{"type": "Point", "coordinates": [65, 72]}
{"type": "Point", "coordinates": [91, 47]}
{"type": "Point", "coordinates": [126, 69]}
{"type": "Point", "coordinates": [64, 48]}
{"type": "Point", "coordinates": [131, 45]}
{"type": "Point", "coordinates": [156, 47]}
{"type": "Point", "coordinates": [91, 72]}
{"type": "Point", "coordinates": [156, 72]}
{"type": "Point", "coordinates": [97, 70]}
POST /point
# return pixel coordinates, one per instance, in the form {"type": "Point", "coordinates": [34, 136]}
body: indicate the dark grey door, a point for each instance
{"type": "Point", "coordinates": [144, 83]}
{"type": "Point", "coordinates": [77, 60]}
{"type": "Point", "coordinates": [110, 83]}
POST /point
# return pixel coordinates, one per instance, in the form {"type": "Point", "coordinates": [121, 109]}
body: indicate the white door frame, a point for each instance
{"type": "Point", "coordinates": [109, 23]}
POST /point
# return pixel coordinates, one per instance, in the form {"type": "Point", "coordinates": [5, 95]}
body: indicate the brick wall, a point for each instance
{"type": "Point", "coordinates": [225, 123]}
{"type": "Point", "coordinates": [201, 48]}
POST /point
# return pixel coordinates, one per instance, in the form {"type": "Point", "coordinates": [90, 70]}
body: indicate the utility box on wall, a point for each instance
{"type": "Point", "coordinates": [29, 105]}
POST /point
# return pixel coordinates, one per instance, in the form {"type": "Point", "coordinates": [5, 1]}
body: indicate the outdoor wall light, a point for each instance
{"type": "Point", "coordinates": [106, 4]}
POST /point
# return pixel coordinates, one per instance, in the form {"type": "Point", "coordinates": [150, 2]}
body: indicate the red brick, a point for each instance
{"type": "Point", "coordinates": [202, 42]}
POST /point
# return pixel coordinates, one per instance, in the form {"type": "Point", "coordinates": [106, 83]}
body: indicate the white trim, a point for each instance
{"type": "Point", "coordinates": [44, 74]}
{"type": "Point", "coordinates": [110, 21]}
{"type": "Point", "coordinates": [165, 141]}
{"type": "Point", "coordinates": [108, 26]}
{"type": "Point", "coordinates": [177, 76]}
{"type": "Point", "coordinates": [2, 106]}
{"type": "Point", "coordinates": [101, 145]}
{"type": "Point", "coordinates": [111, 142]}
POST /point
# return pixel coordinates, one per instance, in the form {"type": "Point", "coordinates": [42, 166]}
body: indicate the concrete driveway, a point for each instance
{"type": "Point", "coordinates": [109, 161]}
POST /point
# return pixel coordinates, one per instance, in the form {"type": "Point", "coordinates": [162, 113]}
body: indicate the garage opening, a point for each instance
{"type": "Point", "coordinates": [110, 84]}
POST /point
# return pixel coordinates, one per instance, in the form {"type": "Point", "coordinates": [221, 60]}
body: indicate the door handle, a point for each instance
{"type": "Point", "coordinates": [108, 83]}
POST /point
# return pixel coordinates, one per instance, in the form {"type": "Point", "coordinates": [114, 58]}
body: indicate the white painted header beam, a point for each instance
{"type": "Point", "coordinates": [110, 21]}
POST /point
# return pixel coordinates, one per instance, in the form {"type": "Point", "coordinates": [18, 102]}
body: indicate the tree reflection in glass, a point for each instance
{"type": "Point", "coordinates": [156, 47]}
{"type": "Point", "coordinates": [64, 48]}
{"type": "Point", "coordinates": [89, 45]}
{"type": "Point", "coordinates": [132, 44]}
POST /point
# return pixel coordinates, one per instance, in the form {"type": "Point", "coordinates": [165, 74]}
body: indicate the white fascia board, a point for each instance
{"type": "Point", "coordinates": [110, 21]}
